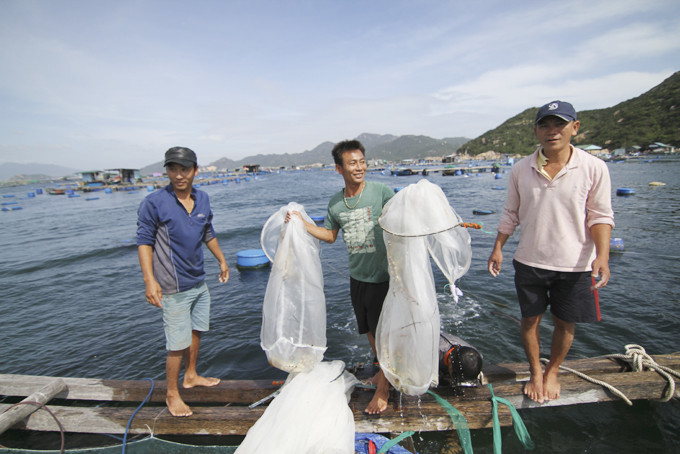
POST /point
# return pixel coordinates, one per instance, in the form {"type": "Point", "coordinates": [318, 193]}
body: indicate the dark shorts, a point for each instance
{"type": "Point", "coordinates": [567, 293]}
{"type": "Point", "coordinates": [367, 300]}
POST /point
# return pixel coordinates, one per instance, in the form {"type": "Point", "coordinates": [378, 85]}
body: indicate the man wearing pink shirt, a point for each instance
{"type": "Point", "coordinates": [561, 198]}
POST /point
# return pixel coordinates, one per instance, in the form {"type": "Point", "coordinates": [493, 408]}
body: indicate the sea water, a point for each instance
{"type": "Point", "coordinates": [72, 301]}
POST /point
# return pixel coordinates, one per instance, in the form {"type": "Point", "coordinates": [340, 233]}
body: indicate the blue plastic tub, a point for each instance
{"type": "Point", "coordinates": [251, 259]}
{"type": "Point", "coordinates": [625, 191]}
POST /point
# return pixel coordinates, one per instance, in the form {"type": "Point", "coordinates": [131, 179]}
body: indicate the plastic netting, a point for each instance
{"type": "Point", "coordinates": [293, 333]}
{"type": "Point", "coordinates": [418, 223]}
{"type": "Point", "coordinates": [310, 415]}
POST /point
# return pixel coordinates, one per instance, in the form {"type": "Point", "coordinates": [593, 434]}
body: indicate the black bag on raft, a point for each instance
{"type": "Point", "coordinates": [460, 364]}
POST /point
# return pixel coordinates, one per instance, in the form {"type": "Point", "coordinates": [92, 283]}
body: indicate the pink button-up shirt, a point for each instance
{"type": "Point", "coordinates": [555, 216]}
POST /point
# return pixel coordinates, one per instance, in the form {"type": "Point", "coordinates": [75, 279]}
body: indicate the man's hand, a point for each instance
{"type": "Point", "coordinates": [154, 294]}
{"type": "Point", "coordinates": [224, 272]}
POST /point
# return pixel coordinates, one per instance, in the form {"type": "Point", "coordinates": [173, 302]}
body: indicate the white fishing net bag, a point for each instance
{"type": "Point", "coordinates": [293, 333]}
{"type": "Point", "coordinates": [418, 223]}
{"type": "Point", "coordinates": [309, 416]}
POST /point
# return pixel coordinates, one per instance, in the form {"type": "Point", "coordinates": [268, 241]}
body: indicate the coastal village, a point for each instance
{"type": "Point", "coordinates": [128, 179]}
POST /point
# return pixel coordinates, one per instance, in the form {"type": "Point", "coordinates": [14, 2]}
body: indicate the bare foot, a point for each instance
{"type": "Point", "coordinates": [177, 407]}
{"type": "Point", "coordinates": [534, 388]}
{"type": "Point", "coordinates": [379, 402]}
{"type": "Point", "coordinates": [551, 386]}
{"type": "Point", "coordinates": [200, 381]}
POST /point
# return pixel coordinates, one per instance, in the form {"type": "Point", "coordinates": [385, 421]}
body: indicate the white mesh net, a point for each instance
{"type": "Point", "coordinates": [293, 333]}
{"type": "Point", "coordinates": [418, 223]}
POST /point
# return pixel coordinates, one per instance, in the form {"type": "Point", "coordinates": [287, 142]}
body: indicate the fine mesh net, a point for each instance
{"type": "Point", "coordinates": [293, 333]}
{"type": "Point", "coordinates": [418, 223]}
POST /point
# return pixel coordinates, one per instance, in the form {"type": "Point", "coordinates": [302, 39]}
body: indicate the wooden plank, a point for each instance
{"type": "Point", "coordinates": [26, 407]}
{"type": "Point", "coordinates": [235, 391]}
{"type": "Point", "coordinates": [405, 413]}
{"type": "Point", "coordinates": [520, 371]}
{"type": "Point", "coordinates": [156, 420]}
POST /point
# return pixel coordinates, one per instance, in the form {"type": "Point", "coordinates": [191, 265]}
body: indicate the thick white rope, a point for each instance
{"type": "Point", "coordinates": [595, 381]}
{"type": "Point", "coordinates": [638, 358]}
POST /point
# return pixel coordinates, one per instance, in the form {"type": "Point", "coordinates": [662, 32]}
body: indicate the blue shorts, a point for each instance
{"type": "Point", "coordinates": [183, 313]}
{"type": "Point", "coordinates": [567, 293]}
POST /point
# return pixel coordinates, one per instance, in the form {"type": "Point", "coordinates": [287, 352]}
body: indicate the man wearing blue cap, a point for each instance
{"type": "Point", "coordinates": [173, 223]}
{"type": "Point", "coordinates": [561, 198]}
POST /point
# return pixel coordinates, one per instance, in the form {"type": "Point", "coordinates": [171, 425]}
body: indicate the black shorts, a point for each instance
{"type": "Point", "coordinates": [367, 300]}
{"type": "Point", "coordinates": [567, 293]}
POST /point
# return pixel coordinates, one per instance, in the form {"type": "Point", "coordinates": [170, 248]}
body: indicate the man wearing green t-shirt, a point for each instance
{"type": "Point", "coordinates": [356, 210]}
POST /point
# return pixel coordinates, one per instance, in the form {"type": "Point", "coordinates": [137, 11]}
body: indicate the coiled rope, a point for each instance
{"type": "Point", "coordinates": [638, 359]}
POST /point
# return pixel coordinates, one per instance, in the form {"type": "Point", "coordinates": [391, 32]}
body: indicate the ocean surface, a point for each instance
{"type": "Point", "coordinates": [72, 299]}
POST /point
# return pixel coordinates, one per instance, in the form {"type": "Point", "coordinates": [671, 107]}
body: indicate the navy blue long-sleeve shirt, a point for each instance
{"type": "Point", "coordinates": [176, 237]}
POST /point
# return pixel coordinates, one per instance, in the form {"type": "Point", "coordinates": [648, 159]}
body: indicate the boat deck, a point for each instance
{"type": "Point", "coordinates": [105, 406]}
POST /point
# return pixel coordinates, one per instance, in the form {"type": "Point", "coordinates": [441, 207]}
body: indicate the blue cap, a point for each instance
{"type": "Point", "coordinates": [561, 109]}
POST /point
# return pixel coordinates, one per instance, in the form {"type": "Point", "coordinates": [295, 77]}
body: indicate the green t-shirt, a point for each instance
{"type": "Point", "coordinates": [361, 232]}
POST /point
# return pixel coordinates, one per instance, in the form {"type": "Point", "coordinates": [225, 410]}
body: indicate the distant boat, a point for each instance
{"type": "Point", "coordinates": [55, 191]}
{"type": "Point", "coordinates": [402, 171]}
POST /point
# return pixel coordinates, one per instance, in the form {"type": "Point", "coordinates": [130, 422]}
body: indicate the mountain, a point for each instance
{"type": "Point", "coordinates": [25, 172]}
{"type": "Point", "coordinates": [651, 117]}
{"type": "Point", "coordinates": [378, 147]}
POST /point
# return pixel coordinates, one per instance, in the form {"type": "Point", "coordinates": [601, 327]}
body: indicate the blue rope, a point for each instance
{"type": "Point", "coordinates": [127, 428]}
{"type": "Point", "coordinates": [517, 423]}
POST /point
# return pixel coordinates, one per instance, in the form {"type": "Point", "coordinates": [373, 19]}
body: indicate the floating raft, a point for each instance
{"type": "Point", "coordinates": [105, 406]}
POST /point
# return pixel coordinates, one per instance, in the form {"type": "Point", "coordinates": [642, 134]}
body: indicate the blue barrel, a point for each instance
{"type": "Point", "coordinates": [39, 191]}
{"type": "Point", "coordinates": [31, 195]}
{"type": "Point", "coordinates": [251, 259]}
{"type": "Point", "coordinates": [150, 188]}
{"type": "Point", "coordinates": [397, 189]}
{"type": "Point", "coordinates": [616, 245]}
{"type": "Point", "coordinates": [458, 172]}
{"type": "Point", "coordinates": [625, 191]}
{"type": "Point", "coordinates": [318, 220]}
{"type": "Point", "coordinates": [108, 191]}
{"type": "Point", "coordinates": [498, 176]}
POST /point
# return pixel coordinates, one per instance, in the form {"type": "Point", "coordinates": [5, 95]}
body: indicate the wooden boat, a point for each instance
{"type": "Point", "coordinates": [100, 406]}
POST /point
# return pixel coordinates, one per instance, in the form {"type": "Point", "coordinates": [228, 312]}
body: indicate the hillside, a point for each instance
{"type": "Point", "coordinates": [29, 172]}
{"type": "Point", "coordinates": [651, 117]}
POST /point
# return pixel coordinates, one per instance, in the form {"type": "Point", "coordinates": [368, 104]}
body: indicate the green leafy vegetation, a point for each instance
{"type": "Point", "coordinates": [651, 117]}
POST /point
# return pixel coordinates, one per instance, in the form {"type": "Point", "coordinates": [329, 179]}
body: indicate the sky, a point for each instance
{"type": "Point", "coordinates": [108, 84]}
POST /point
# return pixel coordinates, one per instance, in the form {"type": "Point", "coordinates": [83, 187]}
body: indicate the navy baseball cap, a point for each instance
{"type": "Point", "coordinates": [180, 155]}
{"type": "Point", "coordinates": [561, 109]}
